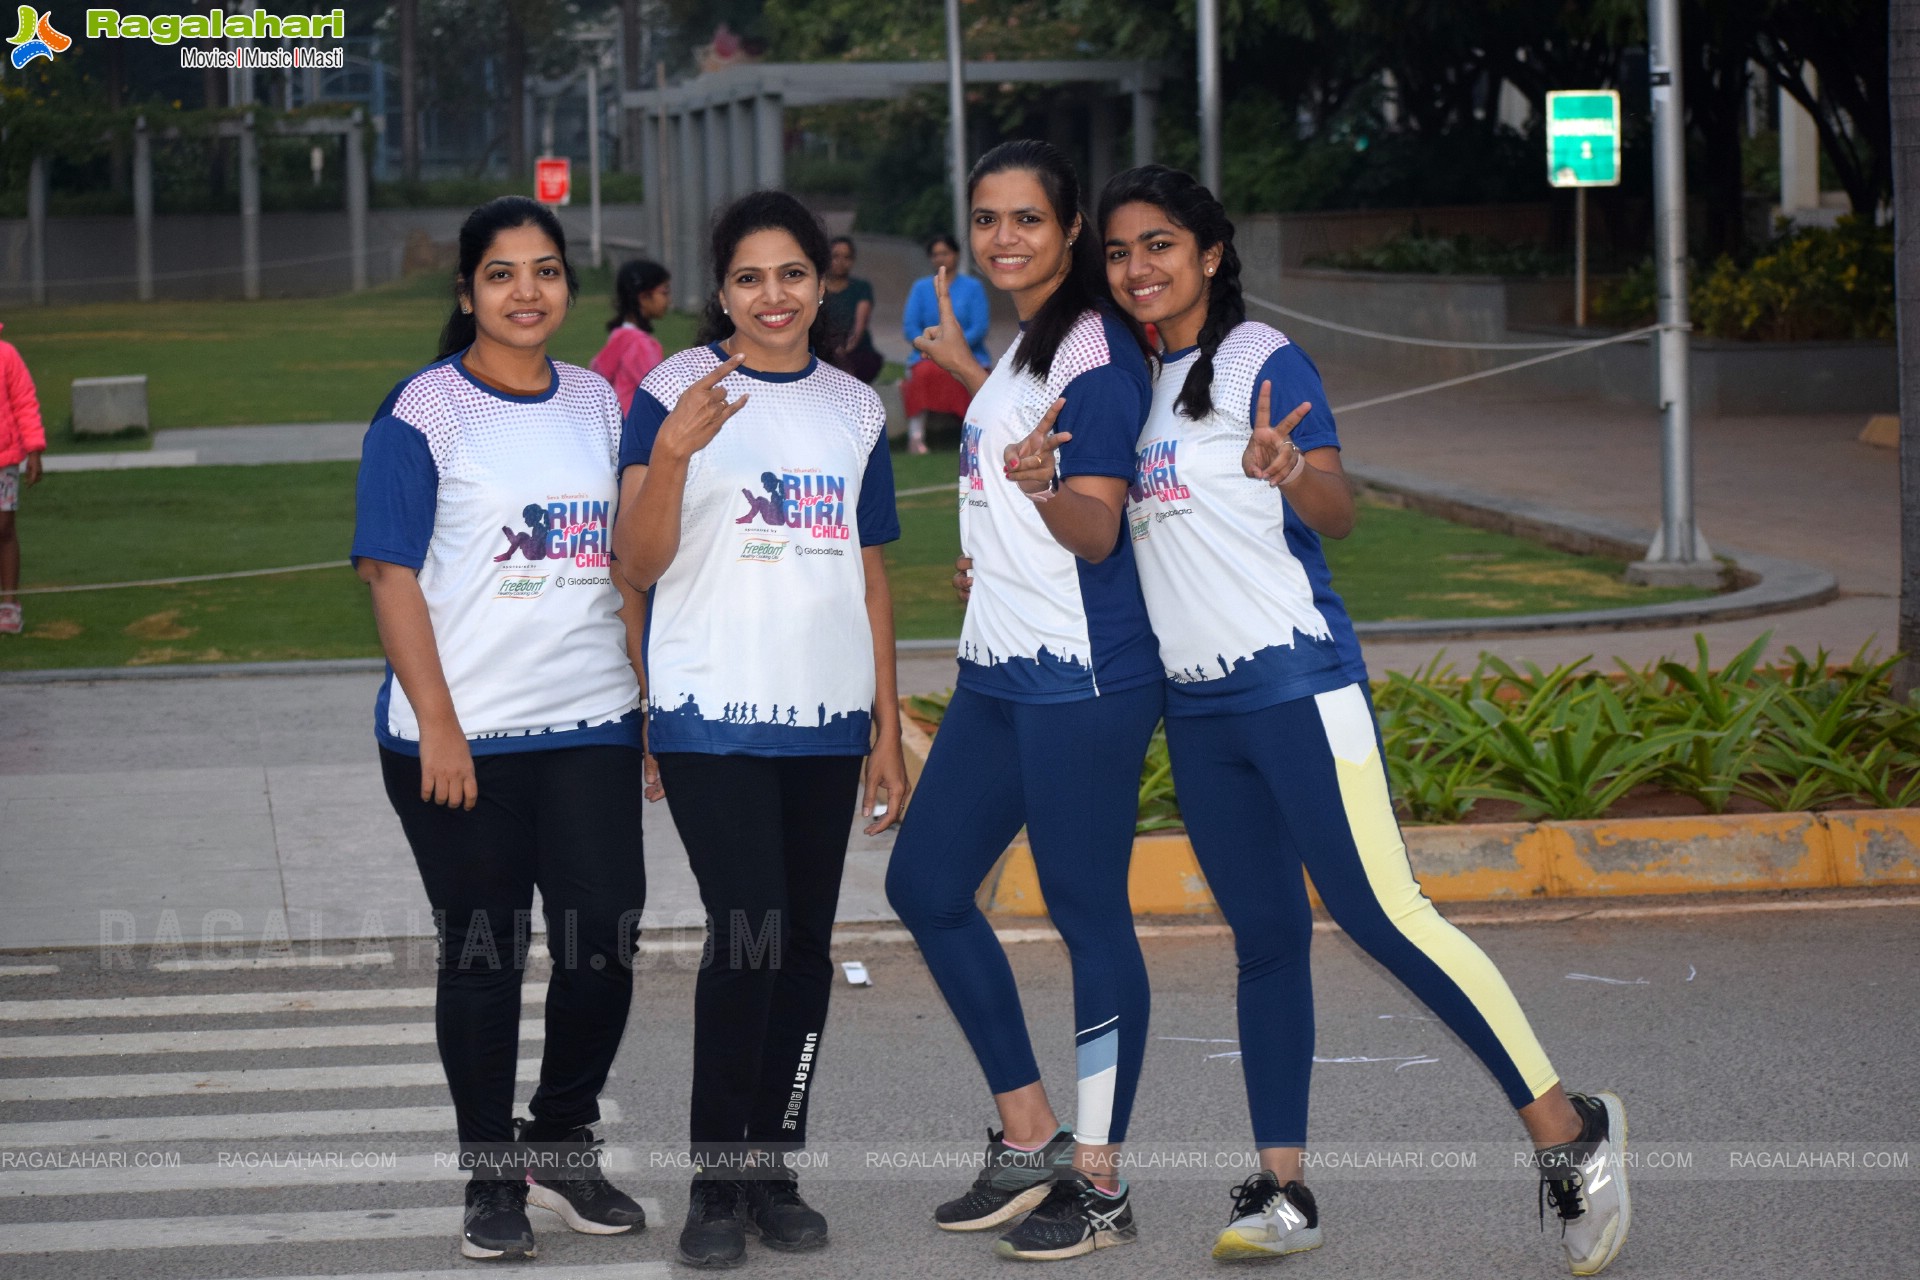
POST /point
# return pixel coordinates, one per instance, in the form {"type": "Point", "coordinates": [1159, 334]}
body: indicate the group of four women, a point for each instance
{"type": "Point", "coordinates": [1141, 532]}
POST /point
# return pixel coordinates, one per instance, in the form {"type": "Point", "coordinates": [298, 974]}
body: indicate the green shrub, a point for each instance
{"type": "Point", "coordinates": [1419, 253]}
{"type": "Point", "coordinates": [1810, 284]}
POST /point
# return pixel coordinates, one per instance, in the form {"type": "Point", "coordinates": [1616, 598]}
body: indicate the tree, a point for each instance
{"type": "Point", "coordinates": [1845, 42]}
{"type": "Point", "coordinates": [1903, 84]}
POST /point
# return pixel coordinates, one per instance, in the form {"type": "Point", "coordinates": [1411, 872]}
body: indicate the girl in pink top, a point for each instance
{"type": "Point", "coordinates": [642, 292]}
{"type": "Point", "coordinates": [21, 443]}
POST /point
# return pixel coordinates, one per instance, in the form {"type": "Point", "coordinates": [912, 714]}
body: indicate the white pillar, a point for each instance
{"type": "Point", "coordinates": [742, 149]}
{"type": "Point", "coordinates": [37, 229]}
{"type": "Point", "coordinates": [357, 200]}
{"type": "Point", "coordinates": [1144, 102]}
{"type": "Point", "coordinates": [1799, 153]}
{"type": "Point", "coordinates": [249, 209]}
{"type": "Point", "coordinates": [770, 142]}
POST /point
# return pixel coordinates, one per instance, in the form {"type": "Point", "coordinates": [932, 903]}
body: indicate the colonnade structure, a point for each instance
{"type": "Point", "coordinates": [721, 135]}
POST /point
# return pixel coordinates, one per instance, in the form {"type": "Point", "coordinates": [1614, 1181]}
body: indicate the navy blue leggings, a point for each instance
{"type": "Point", "coordinates": [1264, 793]}
{"type": "Point", "coordinates": [1071, 773]}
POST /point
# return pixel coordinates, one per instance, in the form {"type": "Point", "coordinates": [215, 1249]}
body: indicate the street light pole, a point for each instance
{"type": "Point", "coordinates": [957, 127]}
{"type": "Point", "coordinates": [1208, 25]}
{"type": "Point", "coordinates": [1678, 556]}
{"type": "Point", "coordinates": [593, 157]}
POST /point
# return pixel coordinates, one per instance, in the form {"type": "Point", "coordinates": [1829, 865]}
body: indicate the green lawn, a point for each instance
{"type": "Point", "coordinates": [113, 526]}
{"type": "Point", "coordinates": [217, 364]}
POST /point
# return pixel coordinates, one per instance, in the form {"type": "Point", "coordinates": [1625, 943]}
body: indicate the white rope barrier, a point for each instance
{"type": "Point", "coordinates": [198, 577]}
{"type": "Point", "coordinates": [1445, 344]}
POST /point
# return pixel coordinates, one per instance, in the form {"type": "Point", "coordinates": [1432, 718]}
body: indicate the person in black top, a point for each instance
{"type": "Point", "coordinates": [849, 305]}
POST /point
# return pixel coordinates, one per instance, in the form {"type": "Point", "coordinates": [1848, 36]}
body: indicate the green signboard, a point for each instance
{"type": "Point", "coordinates": [1583, 138]}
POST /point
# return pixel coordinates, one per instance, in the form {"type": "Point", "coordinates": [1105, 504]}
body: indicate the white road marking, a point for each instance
{"type": "Point", "coordinates": [615, 1271]}
{"type": "Point", "coordinates": [234, 1002]}
{"type": "Point", "coordinates": [244, 1127]}
{"type": "Point", "coordinates": [348, 960]}
{"type": "Point", "coordinates": [401, 1075]}
{"type": "Point", "coordinates": [27, 970]}
{"type": "Point", "coordinates": [238, 1229]}
{"type": "Point", "coordinates": [301, 1169]}
{"type": "Point", "coordinates": [262, 1039]}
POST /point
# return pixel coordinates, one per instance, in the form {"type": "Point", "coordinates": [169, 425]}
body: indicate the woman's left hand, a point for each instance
{"type": "Point", "coordinates": [1271, 455]}
{"type": "Point", "coordinates": [650, 778]}
{"type": "Point", "coordinates": [886, 771]}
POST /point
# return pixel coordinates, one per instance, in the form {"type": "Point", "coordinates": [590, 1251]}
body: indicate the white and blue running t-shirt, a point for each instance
{"type": "Point", "coordinates": [758, 641]}
{"type": "Point", "coordinates": [504, 506]}
{"type": "Point", "coordinates": [1235, 582]}
{"type": "Point", "coordinates": [1042, 624]}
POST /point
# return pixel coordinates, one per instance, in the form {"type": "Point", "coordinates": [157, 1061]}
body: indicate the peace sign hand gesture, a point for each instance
{"type": "Point", "coordinates": [1030, 462]}
{"type": "Point", "coordinates": [946, 343]}
{"type": "Point", "coordinates": [703, 408]}
{"type": "Point", "coordinates": [1271, 455]}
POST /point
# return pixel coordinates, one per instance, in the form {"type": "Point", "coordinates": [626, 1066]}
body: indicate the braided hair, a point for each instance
{"type": "Point", "coordinates": [1191, 206]}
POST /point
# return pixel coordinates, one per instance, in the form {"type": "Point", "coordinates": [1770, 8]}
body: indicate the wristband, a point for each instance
{"type": "Point", "coordinates": [1299, 465]}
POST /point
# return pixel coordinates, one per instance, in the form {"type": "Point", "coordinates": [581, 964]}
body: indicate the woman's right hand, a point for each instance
{"type": "Point", "coordinates": [946, 343]}
{"type": "Point", "coordinates": [703, 408]}
{"type": "Point", "coordinates": [963, 578]}
{"type": "Point", "coordinates": [446, 768]}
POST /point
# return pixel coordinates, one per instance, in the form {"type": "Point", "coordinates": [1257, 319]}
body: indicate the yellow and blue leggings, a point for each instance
{"type": "Point", "coordinates": [1302, 784]}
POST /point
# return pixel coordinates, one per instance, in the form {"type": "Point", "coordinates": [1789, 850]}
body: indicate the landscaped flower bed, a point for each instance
{"type": "Point", "coordinates": [1506, 744]}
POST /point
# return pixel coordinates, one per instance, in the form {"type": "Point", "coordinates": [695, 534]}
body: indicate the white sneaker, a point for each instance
{"type": "Point", "coordinates": [1269, 1220]}
{"type": "Point", "coordinates": [1586, 1180]}
{"type": "Point", "coordinates": [10, 619]}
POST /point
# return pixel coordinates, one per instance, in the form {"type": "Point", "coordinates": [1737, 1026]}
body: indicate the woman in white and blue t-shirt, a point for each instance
{"type": "Point", "coordinates": [1275, 755]}
{"type": "Point", "coordinates": [756, 496]}
{"type": "Point", "coordinates": [509, 721]}
{"type": "Point", "coordinates": [1058, 694]}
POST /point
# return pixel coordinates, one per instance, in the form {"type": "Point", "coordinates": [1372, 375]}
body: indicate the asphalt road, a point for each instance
{"type": "Point", "coordinates": [1739, 1041]}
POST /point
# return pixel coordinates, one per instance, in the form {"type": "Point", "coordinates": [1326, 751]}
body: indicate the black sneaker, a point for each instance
{"type": "Point", "coordinates": [1075, 1218]}
{"type": "Point", "coordinates": [495, 1225]}
{"type": "Point", "coordinates": [1268, 1220]}
{"type": "Point", "coordinates": [777, 1214]}
{"type": "Point", "coordinates": [1010, 1183]}
{"type": "Point", "coordinates": [716, 1230]}
{"type": "Point", "coordinates": [568, 1180]}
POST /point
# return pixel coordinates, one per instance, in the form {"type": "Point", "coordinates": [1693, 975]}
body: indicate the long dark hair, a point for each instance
{"type": "Point", "coordinates": [1181, 197]}
{"type": "Point", "coordinates": [638, 276]}
{"type": "Point", "coordinates": [476, 237]}
{"type": "Point", "coordinates": [766, 211]}
{"type": "Point", "coordinates": [1085, 287]}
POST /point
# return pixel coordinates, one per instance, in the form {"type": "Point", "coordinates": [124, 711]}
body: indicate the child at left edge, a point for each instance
{"type": "Point", "coordinates": [22, 441]}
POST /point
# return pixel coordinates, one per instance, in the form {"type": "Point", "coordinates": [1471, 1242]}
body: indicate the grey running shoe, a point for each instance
{"type": "Point", "coordinates": [1268, 1220]}
{"type": "Point", "coordinates": [1586, 1181]}
{"type": "Point", "coordinates": [1075, 1218]}
{"type": "Point", "coordinates": [1010, 1183]}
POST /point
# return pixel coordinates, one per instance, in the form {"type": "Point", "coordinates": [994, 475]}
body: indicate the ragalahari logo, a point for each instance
{"type": "Point", "coordinates": [37, 38]}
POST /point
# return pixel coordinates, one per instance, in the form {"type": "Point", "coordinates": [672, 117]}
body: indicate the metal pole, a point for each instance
{"type": "Point", "coordinates": [357, 200]}
{"type": "Point", "coordinates": [249, 209]}
{"type": "Point", "coordinates": [37, 229]}
{"type": "Point", "coordinates": [1580, 256]}
{"type": "Point", "coordinates": [593, 162]}
{"type": "Point", "coordinates": [142, 210]}
{"type": "Point", "coordinates": [1676, 544]}
{"type": "Point", "coordinates": [957, 127]}
{"type": "Point", "coordinates": [1208, 22]}
{"type": "Point", "coordinates": [662, 191]}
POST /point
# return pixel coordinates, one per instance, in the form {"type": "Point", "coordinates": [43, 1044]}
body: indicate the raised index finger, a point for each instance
{"type": "Point", "coordinates": [941, 293]}
{"type": "Point", "coordinates": [1286, 425]}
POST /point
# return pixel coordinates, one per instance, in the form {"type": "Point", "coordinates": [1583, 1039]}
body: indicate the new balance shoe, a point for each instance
{"type": "Point", "coordinates": [716, 1231]}
{"type": "Point", "coordinates": [567, 1177]}
{"type": "Point", "coordinates": [777, 1214]}
{"type": "Point", "coordinates": [1269, 1220]}
{"type": "Point", "coordinates": [1075, 1218]}
{"type": "Point", "coordinates": [495, 1225]}
{"type": "Point", "coordinates": [1010, 1183]}
{"type": "Point", "coordinates": [1586, 1182]}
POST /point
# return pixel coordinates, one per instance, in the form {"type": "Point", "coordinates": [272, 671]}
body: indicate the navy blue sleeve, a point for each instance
{"type": "Point", "coordinates": [876, 513]}
{"type": "Point", "coordinates": [1294, 379]}
{"type": "Point", "coordinates": [395, 495]}
{"type": "Point", "coordinates": [1105, 409]}
{"type": "Point", "coordinates": [641, 428]}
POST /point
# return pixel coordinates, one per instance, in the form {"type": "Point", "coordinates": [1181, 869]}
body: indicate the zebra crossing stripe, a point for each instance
{"type": "Point", "coordinates": [146, 1234]}
{"type": "Point", "coordinates": [234, 1002]}
{"type": "Point", "coordinates": [27, 970]}
{"type": "Point", "coordinates": [345, 960]}
{"type": "Point", "coordinates": [615, 1271]}
{"type": "Point", "coordinates": [315, 1169]}
{"type": "Point", "coordinates": [244, 1127]}
{"type": "Point", "coordinates": [200, 1084]}
{"type": "Point", "coordinates": [267, 1039]}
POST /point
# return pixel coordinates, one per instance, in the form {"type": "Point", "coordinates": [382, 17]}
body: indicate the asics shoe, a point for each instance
{"type": "Point", "coordinates": [1269, 1220]}
{"type": "Point", "coordinates": [495, 1225]}
{"type": "Point", "coordinates": [776, 1213]}
{"type": "Point", "coordinates": [567, 1178]}
{"type": "Point", "coordinates": [1010, 1183]}
{"type": "Point", "coordinates": [1075, 1218]}
{"type": "Point", "coordinates": [1586, 1181]}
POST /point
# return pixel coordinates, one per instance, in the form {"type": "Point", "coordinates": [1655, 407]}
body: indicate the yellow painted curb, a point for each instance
{"type": "Point", "coordinates": [1475, 863]}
